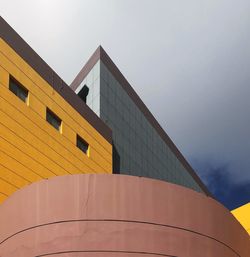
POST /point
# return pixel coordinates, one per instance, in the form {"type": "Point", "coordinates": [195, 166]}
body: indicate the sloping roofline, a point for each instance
{"type": "Point", "coordinates": [100, 54]}
{"type": "Point", "coordinates": [11, 37]}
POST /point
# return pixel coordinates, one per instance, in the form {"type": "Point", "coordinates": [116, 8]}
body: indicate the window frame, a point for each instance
{"type": "Point", "coordinates": [55, 117]}
{"type": "Point", "coordinates": [20, 88]}
{"type": "Point", "coordinates": [80, 140]}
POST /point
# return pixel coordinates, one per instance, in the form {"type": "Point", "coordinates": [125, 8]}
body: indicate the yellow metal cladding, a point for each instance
{"type": "Point", "coordinates": [30, 148]}
{"type": "Point", "coordinates": [242, 214]}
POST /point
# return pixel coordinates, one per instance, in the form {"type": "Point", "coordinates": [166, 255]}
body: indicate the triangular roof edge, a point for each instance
{"type": "Point", "coordinates": [100, 54]}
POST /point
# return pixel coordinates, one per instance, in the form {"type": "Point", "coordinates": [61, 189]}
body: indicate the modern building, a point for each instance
{"type": "Point", "coordinates": [140, 146]}
{"type": "Point", "coordinates": [92, 173]}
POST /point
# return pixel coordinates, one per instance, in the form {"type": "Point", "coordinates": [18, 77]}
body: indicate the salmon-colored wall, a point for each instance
{"type": "Point", "coordinates": [30, 148]}
{"type": "Point", "coordinates": [117, 215]}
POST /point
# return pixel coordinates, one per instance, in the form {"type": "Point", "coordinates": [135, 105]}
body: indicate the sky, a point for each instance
{"type": "Point", "coordinates": [189, 61]}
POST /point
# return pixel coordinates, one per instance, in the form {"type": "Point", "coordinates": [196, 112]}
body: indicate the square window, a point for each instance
{"type": "Point", "coordinates": [53, 120]}
{"type": "Point", "coordinates": [18, 89]}
{"type": "Point", "coordinates": [82, 144]}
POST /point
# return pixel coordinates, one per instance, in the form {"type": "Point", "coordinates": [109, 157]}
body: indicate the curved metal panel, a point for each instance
{"type": "Point", "coordinates": [117, 215]}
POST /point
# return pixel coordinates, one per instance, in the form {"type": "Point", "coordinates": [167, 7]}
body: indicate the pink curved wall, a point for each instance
{"type": "Point", "coordinates": [115, 215]}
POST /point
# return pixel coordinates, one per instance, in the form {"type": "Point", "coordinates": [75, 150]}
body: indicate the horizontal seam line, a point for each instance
{"type": "Point", "coordinates": [6, 153]}
{"type": "Point", "coordinates": [10, 170]}
{"type": "Point", "coordinates": [3, 194]}
{"type": "Point", "coordinates": [106, 251]}
{"type": "Point", "coordinates": [125, 221]}
{"type": "Point", "coordinates": [1, 124]}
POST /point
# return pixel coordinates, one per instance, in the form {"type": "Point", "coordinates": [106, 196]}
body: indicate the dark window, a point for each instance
{"type": "Point", "coordinates": [18, 89]}
{"type": "Point", "coordinates": [82, 144]}
{"type": "Point", "coordinates": [84, 93]}
{"type": "Point", "coordinates": [54, 120]}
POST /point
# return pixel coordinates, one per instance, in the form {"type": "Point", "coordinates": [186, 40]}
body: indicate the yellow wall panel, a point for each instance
{"type": "Point", "coordinates": [242, 214]}
{"type": "Point", "coordinates": [23, 79]}
{"type": "Point", "coordinates": [4, 78]}
{"type": "Point", "coordinates": [2, 197]}
{"type": "Point", "coordinates": [28, 161]}
{"type": "Point", "coordinates": [30, 148]}
{"type": "Point", "coordinates": [37, 125]}
{"type": "Point", "coordinates": [11, 177]}
{"type": "Point", "coordinates": [36, 105]}
{"type": "Point", "coordinates": [68, 122]}
{"type": "Point", "coordinates": [14, 163]}
{"type": "Point", "coordinates": [55, 102]}
{"type": "Point", "coordinates": [29, 129]}
{"type": "Point", "coordinates": [6, 187]}
{"type": "Point", "coordinates": [21, 144]}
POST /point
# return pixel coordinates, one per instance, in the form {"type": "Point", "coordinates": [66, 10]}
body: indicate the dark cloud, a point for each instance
{"type": "Point", "coordinates": [221, 185]}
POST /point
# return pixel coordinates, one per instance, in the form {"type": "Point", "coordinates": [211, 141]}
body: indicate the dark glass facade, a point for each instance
{"type": "Point", "coordinates": [138, 148]}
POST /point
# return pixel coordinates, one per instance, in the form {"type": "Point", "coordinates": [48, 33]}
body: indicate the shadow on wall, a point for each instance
{"type": "Point", "coordinates": [116, 160]}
